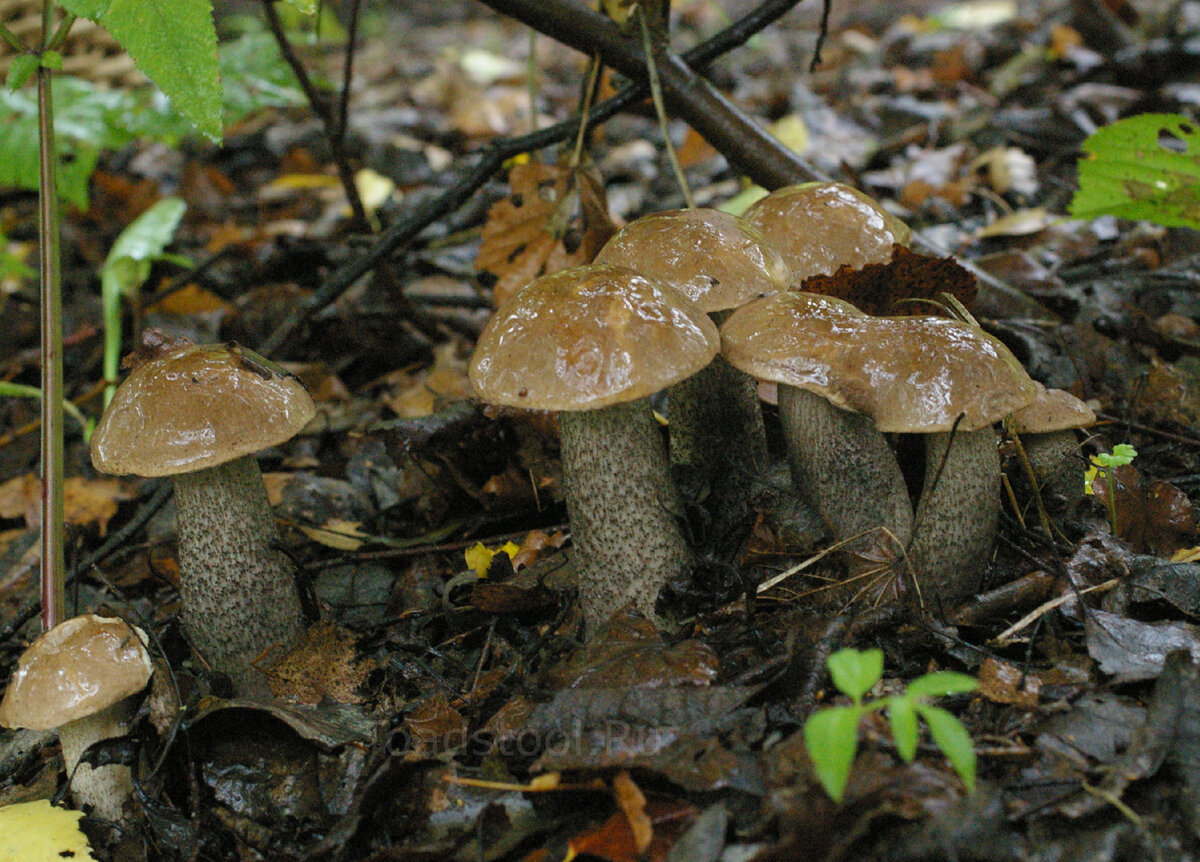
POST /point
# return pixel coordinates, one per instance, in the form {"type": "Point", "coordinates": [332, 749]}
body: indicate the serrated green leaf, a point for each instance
{"type": "Point", "coordinates": [953, 739]}
{"type": "Point", "coordinates": [21, 70]}
{"type": "Point", "coordinates": [855, 672]}
{"type": "Point", "coordinates": [831, 737]}
{"type": "Point", "coordinates": [174, 43]}
{"type": "Point", "coordinates": [941, 683]}
{"type": "Point", "coordinates": [1144, 167]}
{"type": "Point", "coordinates": [52, 59]}
{"type": "Point", "coordinates": [903, 718]}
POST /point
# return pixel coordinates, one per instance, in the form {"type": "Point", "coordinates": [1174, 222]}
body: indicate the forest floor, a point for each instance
{"type": "Point", "coordinates": [439, 713]}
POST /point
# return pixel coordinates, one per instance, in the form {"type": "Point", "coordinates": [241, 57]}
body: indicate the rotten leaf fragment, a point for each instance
{"type": "Point", "coordinates": [556, 217]}
{"type": "Point", "coordinates": [1152, 515]}
{"type": "Point", "coordinates": [886, 288]}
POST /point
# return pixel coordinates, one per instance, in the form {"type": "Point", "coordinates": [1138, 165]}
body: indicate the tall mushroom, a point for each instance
{"type": "Point", "coordinates": [594, 342]}
{"type": "Point", "coordinates": [719, 262]}
{"type": "Point", "coordinates": [81, 677]}
{"type": "Point", "coordinates": [819, 227]}
{"type": "Point", "coordinates": [198, 413]}
{"type": "Point", "coordinates": [845, 380]}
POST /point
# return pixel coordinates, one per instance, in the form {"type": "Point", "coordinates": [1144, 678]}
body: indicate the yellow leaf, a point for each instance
{"type": "Point", "coordinates": [338, 533]}
{"type": "Point", "coordinates": [39, 832]}
{"type": "Point", "coordinates": [480, 556]}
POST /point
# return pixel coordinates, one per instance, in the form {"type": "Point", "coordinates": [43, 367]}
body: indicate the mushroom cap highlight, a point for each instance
{"type": "Point", "coordinates": [910, 374]}
{"type": "Point", "coordinates": [198, 406]}
{"type": "Point", "coordinates": [819, 227]}
{"type": "Point", "coordinates": [716, 259]}
{"type": "Point", "coordinates": [78, 668]}
{"type": "Point", "coordinates": [589, 337]}
{"type": "Point", "coordinates": [1051, 410]}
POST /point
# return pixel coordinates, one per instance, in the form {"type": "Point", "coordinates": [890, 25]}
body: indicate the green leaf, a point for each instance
{"type": "Point", "coordinates": [952, 738]}
{"type": "Point", "coordinates": [306, 7]}
{"type": "Point", "coordinates": [941, 683]}
{"type": "Point", "coordinates": [903, 718]}
{"type": "Point", "coordinates": [831, 737]}
{"type": "Point", "coordinates": [127, 267]}
{"type": "Point", "coordinates": [21, 70]}
{"type": "Point", "coordinates": [52, 59]}
{"type": "Point", "coordinates": [854, 672]}
{"type": "Point", "coordinates": [174, 43]}
{"type": "Point", "coordinates": [1144, 167]}
{"type": "Point", "coordinates": [1121, 455]}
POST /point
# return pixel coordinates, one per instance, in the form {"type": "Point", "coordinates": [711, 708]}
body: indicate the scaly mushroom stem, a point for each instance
{"type": "Point", "coordinates": [717, 431]}
{"type": "Point", "coordinates": [624, 511]}
{"type": "Point", "coordinates": [845, 469]}
{"type": "Point", "coordinates": [1054, 457]}
{"type": "Point", "coordinates": [957, 516]}
{"type": "Point", "coordinates": [105, 789]}
{"type": "Point", "coordinates": [239, 592]}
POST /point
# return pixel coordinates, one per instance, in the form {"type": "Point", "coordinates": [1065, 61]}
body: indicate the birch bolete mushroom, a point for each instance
{"type": "Point", "coordinates": [820, 227]}
{"type": "Point", "coordinates": [81, 677]}
{"type": "Point", "coordinates": [719, 262]}
{"type": "Point", "coordinates": [844, 380]}
{"type": "Point", "coordinates": [198, 413]}
{"type": "Point", "coordinates": [1046, 430]}
{"type": "Point", "coordinates": [594, 342]}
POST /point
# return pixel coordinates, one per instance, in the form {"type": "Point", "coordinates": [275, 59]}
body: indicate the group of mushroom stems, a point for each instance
{"type": "Point", "coordinates": [593, 343]}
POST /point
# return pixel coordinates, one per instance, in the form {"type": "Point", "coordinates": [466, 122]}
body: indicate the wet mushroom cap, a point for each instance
{"type": "Point", "coordinates": [1051, 410]}
{"type": "Point", "coordinates": [819, 227]}
{"type": "Point", "coordinates": [77, 669]}
{"type": "Point", "coordinates": [198, 406]}
{"type": "Point", "coordinates": [716, 259]}
{"type": "Point", "coordinates": [590, 337]}
{"type": "Point", "coordinates": [912, 374]}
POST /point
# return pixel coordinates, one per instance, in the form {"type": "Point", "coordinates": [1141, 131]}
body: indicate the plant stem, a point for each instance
{"type": "Point", "coordinates": [52, 372]}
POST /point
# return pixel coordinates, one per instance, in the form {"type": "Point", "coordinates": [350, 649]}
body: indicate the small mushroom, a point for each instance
{"type": "Point", "coordinates": [197, 413]}
{"type": "Point", "coordinates": [1046, 430]}
{"type": "Point", "coordinates": [719, 262]}
{"type": "Point", "coordinates": [81, 677]}
{"type": "Point", "coordinates": [845, 379]}
{"type": "Point", "coordinates": [820, 227]}
{"type": "Point", "coordinates": [594, 342]}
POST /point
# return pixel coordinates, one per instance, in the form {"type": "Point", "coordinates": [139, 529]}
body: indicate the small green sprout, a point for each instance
{"type": "Point", "coordinates": [1103, 465]}
{"type": "Point", "coordinates": [831, 735]}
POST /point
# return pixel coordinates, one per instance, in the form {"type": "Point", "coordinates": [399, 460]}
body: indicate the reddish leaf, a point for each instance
{"type": "Point", "coordinates": [878, 287]}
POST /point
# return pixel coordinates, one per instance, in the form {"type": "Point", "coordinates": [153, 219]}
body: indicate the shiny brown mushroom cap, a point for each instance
{"type": "Point", "coordinates": [589, 337]}
{"type": "Point", "coordinates": [197, 406]}
{"type": "Point", "coordinates": [911, 374]}
{"type": "Point", "coordinates": [819, 227]}
{"type": "Point", "coordinates": [716, 259]}
{"type": "Point", "coordinates": [1051, 410]}
{"type": "Point", "coordinates": [76, 669]}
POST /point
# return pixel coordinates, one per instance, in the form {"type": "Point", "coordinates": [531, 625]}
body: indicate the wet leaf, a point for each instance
{"type": "Point", "coordinates": [1151, 515]}
{"type": "Point", "coordinates": [880, 288]}
{"type": "Point", "coordinates": [1001, 682]}
{"type": "Point", "coordinates": [632, 803]}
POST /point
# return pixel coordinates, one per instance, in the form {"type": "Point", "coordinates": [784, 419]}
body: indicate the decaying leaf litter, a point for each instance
{"type": "Point", "coordinates": [445, 706]}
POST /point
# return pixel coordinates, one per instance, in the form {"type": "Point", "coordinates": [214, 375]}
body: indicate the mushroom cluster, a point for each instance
{"type": "Point", "coordinates": [198, 413]}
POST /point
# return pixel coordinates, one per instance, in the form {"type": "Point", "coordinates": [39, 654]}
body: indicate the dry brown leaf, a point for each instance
{"type": "Point", "coordinates": [877, 288]}
{"type": "Point", "coordinates": [19, 498]}
{"type": "Point", "coordinates": [421, 393]}
{"type": "Point", "coordinates": [92, 501]}
{"type": "Point", "coordinates": [435, 726]}
{"type": "Point", "coordinates": [556, 217]}
{"type": "Point", "coordinates": [1001, 682]}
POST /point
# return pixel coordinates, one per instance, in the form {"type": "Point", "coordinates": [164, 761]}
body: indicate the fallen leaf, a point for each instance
{"type": "Point", "coordinates": [1002, 682]}
{"type": "Point", "coordinates": [877, 288]}
{"type": "Point", "coordinates": [556, 217]}
{"type": "Point", "coordinates": [1152, 516]}
{"type": "Point", "coordinates": [632, 803]}
{"type": "Point", "coordinates": [323, 665]}
{"type": "Point", "coordinates": [92, 501]}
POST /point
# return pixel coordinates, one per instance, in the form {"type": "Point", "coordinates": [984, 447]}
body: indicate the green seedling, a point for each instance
{"type": "Point", "coordinates": [831, 735]}
{"type": "Point", "coordinates": [126, 269]}
{"type": "Point", "coordinates": [1103, 465]}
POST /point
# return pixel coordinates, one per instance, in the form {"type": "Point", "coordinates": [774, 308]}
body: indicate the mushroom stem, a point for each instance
{"type": "Point", "coordinates": [845, 469]}
{"type": "Point", "coordinates": [1054, 457]}
{"type": "Point", "coordinates": [105, 789]}
{"type": "Point", "coordinates": [717, 435]}
{"type": "Point", "coordinates": [239, 592]}
{"type": "Point", "coordinates": [957, 516]}
{"type": "Point", "coordinates": [624, 511]}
